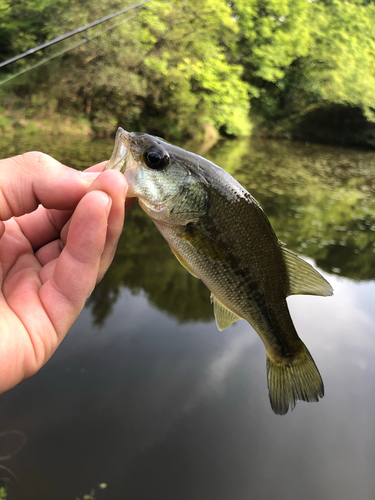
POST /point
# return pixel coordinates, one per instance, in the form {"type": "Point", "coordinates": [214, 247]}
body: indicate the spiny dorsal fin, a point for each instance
{"type": "Point", "coordinates": [224, 317]}
{"type": "Point", "coordinates": [303, 278]}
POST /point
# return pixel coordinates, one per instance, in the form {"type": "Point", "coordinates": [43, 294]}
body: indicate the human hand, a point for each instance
{"type": "Point", "coordinates": [58, 234]}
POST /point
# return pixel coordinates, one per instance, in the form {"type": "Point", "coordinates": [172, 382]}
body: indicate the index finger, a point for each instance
{"type": "Point", "coordinates": [35, 178]}
{"type": "Point", "coordinates": [44, 225]}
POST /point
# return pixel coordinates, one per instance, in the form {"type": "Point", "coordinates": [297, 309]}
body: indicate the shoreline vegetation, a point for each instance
{"type": "Point", "coordinates": [284, 69]}
{"type": "Point", "coordinates": [349, 132]}
{"type": "Point", "coordinates": [12, 125]}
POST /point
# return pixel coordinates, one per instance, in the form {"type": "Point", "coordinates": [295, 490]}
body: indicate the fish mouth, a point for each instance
{"type": "Point", "coordinates": [123, 161]}
{"type": "Point", "coordinates": [120, 151]}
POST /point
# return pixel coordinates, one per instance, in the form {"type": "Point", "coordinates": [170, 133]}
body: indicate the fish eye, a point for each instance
{"type": "Point", "coordinates": [155, 158]}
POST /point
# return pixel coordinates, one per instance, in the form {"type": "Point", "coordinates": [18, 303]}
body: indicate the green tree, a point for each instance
{"type": "Point", "coordinates": [167, 71]}
{"type": "Point", "coordinates": [190, 80]}
{"type": "Point", "coordinates": [299, 55]}
{"type": "Point", "coordinates": [273, 35]}
{"type": "Point", "coordinates": [340, 66]}
{"type": "Point", "coordinates": [22, 25]}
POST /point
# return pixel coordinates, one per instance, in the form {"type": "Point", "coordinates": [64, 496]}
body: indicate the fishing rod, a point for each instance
{"type": "Point", "coordinates": [67, 49]}
{"type": "Point", "coordinates": [71, 33]}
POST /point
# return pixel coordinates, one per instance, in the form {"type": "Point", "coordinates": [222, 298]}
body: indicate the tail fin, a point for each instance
{"type": "Point", "coordinates": [292, 380]}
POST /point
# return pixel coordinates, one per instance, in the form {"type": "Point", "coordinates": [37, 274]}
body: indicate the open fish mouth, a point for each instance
{"type": "Point", "coordinates": [120, 151]}
{"type": "Point", "coordinates": [122, 160]}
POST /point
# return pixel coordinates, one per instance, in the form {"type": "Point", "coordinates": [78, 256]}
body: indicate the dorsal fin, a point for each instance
{"type": "Point", "coordinates": [303, 278]}
{"type": "Point", "coordinates": [224, 317]}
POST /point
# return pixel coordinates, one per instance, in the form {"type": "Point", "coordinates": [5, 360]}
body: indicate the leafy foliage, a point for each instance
{"type": "Point", "coordinates": [22, 25]}
{"type": "Point", "coordinates": [166, 70]}
{"type": "Point", "coordinates": [300, 54]}
{"type": "Point", "coordinates": [179, 65]}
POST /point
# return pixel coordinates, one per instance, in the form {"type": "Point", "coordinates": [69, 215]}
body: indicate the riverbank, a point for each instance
{"type": "Point", "coordinates": [331, 124]}
{"type": "Point", "coordinates": [14, 122]}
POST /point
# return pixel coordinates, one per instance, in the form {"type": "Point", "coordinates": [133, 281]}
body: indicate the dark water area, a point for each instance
{"type": "Point", "coordinates": [148, 397]}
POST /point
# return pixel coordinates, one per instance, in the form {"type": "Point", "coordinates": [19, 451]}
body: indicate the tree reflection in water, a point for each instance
{"type": "Point", "coordinates": [161, 410]}
{"type": "Point", "coordinates": [319, 201]}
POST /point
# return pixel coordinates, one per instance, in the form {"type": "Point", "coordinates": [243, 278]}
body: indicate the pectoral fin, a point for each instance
{"type": "Point", "coordinates": [223, 316]}
{"type": "Point", "coordinates": [303, 278]}
{"type": "Point", "coordinates": [204, 244]}
{"type": "Point", "coordinates": [183, 262]}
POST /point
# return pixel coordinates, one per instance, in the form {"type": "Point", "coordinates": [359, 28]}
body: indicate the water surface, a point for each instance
{"type": "Point", "coordinates": [147, 396]}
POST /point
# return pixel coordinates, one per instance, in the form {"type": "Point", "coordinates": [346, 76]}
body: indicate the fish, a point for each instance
{"type": "Point", "coordinates": [220, 234]}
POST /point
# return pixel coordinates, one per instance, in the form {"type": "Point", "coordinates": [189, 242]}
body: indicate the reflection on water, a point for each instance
{"type": "Point", "coordinates": [147, 396]}
{"type": "Point", "coordinates": [319, 201]}
{"type": "Point", "coordinates": [144, 262]}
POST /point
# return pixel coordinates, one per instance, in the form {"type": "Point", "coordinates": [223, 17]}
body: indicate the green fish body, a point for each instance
{"type": "Point", "coordinates": [220, 234]}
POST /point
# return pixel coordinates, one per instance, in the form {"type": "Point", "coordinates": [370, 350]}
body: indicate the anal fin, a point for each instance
{"type": "Point", "coordinates": [224, 317]}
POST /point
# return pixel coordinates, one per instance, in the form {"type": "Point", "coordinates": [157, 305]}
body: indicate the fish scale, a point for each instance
{"type": "Point", "coordinates": [220, 234]}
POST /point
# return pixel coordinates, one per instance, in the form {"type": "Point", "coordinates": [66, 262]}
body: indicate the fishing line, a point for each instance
{"type": "Point", "coordinates": [18, 449]}
{"type": "Point", "coordinates": [71, 33]}
{"type": "Point", "coordinates": [67, 49]}
{"type": "Point", "coordinates": [10, 455]}
{"type": "Point", "coordinates": [11, 473]}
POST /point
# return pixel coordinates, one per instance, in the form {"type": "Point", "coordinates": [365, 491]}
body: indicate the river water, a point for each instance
{"type": "Point", "coordinates": [146, 397]}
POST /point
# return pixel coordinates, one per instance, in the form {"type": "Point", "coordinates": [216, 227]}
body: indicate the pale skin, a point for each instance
{"type": "Point", "coordinates": [58, 235]}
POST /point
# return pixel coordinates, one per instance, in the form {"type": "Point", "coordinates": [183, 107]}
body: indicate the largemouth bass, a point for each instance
{"type": "Point", "coordinates": [220, 234]}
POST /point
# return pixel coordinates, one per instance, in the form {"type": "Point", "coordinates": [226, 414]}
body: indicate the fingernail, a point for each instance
{"type": "Point", "coordinates": [89, 176]}
{"type": "Point", "coordinates": [109, 205]}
